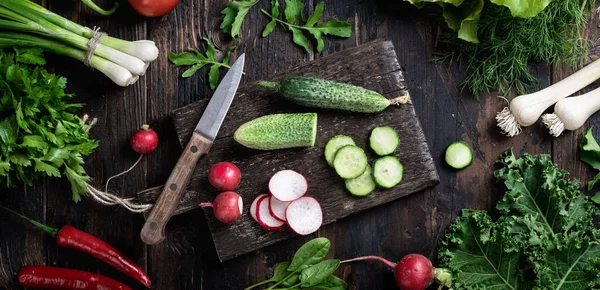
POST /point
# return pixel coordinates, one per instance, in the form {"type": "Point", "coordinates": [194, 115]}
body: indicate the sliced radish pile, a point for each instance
{"type": "Point", "coordinates": [254, 204]}
{"type": "Point", "coordinates": [288, 185]}
{"type": "Point", "coordinates": [264, 217]}
{"type": "Point", "coordinates": [304, 215]}
{"type": "Point", "coordinates": [277, 208]}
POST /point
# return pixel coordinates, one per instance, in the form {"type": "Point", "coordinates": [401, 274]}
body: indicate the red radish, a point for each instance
{"type": "Point", "coordinates": [224, 176]}
{"type": "Point", "coordinates": [227, 206]}
{"type": "Point", "coordinates": [277, 208]}
{"type": "Point", "coordinates": [414, 272]}
{"type": "Point", "coordinates": [264, 217]}
{"type": "Point", "coordinates": [288, 185]}
{"type": "Point", "coordinates": [144, 140]}
{"type": "Point", "coordinates": [254, 204]}
{"type": "Point", "coordinates": [304, 215]}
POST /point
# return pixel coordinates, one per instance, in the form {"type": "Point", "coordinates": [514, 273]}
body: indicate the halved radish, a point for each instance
{"type": "Point", "coordinates": [288, 185]}
{"type": "Point", "coordinates": [253, 205]}
{"type": "Point", "coordinates": [304, 215]}
{"type": "Point", "coordinates": [264, 217]}
{"type": "Point", "coordinates": [277, 208]}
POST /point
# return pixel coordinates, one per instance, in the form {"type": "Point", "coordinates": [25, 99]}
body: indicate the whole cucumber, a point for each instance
{"type": "Point", "coordinates": [278, 131]}
{"type": "Point", "coordinates": [326, 94]}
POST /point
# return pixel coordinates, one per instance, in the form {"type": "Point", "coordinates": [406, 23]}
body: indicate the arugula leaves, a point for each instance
{"type": "Point", "coordinates": [544, 238]}
{"type": "Point", "coordinates": [293, 12]}
{"type": "Point", "coordinates": [198, 60]}
{"type": "Point", "coordinates": [307, 270]}
{"type": "Point", "coordinates": [234, 16]}
{"type": "Point", "coordinates": [40, 135]}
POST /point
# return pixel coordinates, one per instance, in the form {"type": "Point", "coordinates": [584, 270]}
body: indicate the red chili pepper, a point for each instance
{"type": "Point", "coordinates": [70, 237]}
{"type": "Point", "coordinates": [60, 278]}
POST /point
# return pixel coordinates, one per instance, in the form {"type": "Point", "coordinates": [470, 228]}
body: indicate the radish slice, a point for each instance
{"type": "Point", "coordinates": [253, 206]}
{"type": "Point", "coordinates": [288, 185]}
{"type": "Point", "coordinates": [304, 215]}
{"type": "Point", "coordinates": [277, 208]}
{"type": "Point", "coordinates": [264, 217]}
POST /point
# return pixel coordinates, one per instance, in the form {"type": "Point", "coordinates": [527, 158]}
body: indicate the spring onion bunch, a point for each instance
{"type": "Point", "coordinates": [24, 23]}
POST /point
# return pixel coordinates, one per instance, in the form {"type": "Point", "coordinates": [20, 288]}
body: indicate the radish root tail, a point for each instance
{"type": "Point", "coordinates": [206, 204]}
{"type": "Point", "coordinates": [386, 262]}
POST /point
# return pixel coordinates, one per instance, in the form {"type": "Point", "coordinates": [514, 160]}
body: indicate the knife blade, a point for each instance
{"type": "Point", "coordinates": [153, 231]}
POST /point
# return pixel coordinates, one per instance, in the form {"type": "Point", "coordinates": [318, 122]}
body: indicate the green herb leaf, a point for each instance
{"type": "Point", "coordinates": [596, 198]}
{"type": "Point", "coordinates": [590, 150]}
{"type": "Point", "coordinates": [317, 273]}
{"type": "Point", "coordinates": [293, 12]}
{"type": "Point", "coordinates": [40, 133]}
{"type": "Point", "coordinates": [311, 253]}
{"type": "Point", "coordinates": [523, 8]}
{"type": "Point", "coordinates": [197, 60]}
{"type": "Point", "coordinates": [275, 12]}
{"type": "Point", "coordinates": [234, 16]}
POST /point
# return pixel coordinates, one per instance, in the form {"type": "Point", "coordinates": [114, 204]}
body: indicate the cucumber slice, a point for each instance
{"type": "Point", "coordinates": [459, 155]}
{"type": "Point", "coordinates": [362, 185]}
{"type": "Point", "coordinates": [334, 144]}
{"type": "Point", "coordinates": [384, 140]}
{"type": "Point", "coordinates": [350, 161]}
{"type": "Point", "coordinates": [387, 171]}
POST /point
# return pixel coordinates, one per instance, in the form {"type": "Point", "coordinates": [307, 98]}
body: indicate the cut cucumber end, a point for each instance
{"type": "Point", "coordinates": [384, 140]}
{"type": "Point", "coordinates": [459, 155]}
{"type": "Point", "coordinates": [363, 185]}
{"type": "Point", "coordinates": [387, 171]}
{"type": "Point", "coordinates": [350, 161]}
{"type": "Point", "coordinates": [334, 144]}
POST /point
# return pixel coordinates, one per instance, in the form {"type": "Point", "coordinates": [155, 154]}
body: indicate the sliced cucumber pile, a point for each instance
{"type": "Point", "coordinates": [362, 185]}
{"type": "Point", "coordinates": [387, 171]}
{"type": "Point", "coordinates": [350, 161]}
{"type": "Point", "coordinates": [459, 155]}
{"type": "Point", "coordinates": [384, 140]}
{"type": "Point", "coordinates": [334, 144]}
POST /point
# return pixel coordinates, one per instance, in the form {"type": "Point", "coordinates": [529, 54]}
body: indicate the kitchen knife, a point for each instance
{"type": "Point", "coordinates": [202, 139]}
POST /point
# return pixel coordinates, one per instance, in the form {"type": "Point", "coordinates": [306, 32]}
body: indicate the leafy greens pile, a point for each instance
{"type": "Point", "coordinates": [40, 135]}
{"type": "Point", "coordinates": [545, 237]}
{"type": "Point", "coordinates": [308, 269]}
{"type": "Point", "coordinates": [507, 45]}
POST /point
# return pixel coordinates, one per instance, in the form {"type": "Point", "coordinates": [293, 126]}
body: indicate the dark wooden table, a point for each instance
{"type": "Point", "coordinates": [188, 260]}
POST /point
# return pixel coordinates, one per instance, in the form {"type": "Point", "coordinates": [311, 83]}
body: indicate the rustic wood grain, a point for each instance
{"type": "Point", "coordinates": [372, 65]}
{"type": "Point", "coordinates": [187, 260]}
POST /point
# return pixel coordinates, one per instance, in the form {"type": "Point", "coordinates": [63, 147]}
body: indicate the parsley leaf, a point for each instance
{"type": "Point", "coordinates": [40, 133]}
{"type": "Point", "coordinates": [234, 16]}
{"type": "Point", "coordinates": [197, 60]}
{"type": "Point", "coordinates": [293, 13]}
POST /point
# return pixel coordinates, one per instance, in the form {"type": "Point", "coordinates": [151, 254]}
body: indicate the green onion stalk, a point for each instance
{"type": "Point", "coordinates": [36, 26]}
{"type": "Point", "coordinates": [93, 6]}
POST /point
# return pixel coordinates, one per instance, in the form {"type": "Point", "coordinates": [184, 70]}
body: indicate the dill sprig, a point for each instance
{"type": "Point", "coordinates": [508, 45]}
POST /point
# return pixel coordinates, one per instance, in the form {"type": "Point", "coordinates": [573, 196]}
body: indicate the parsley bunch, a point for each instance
{"type": "Point", "coordinates": [40, 135]}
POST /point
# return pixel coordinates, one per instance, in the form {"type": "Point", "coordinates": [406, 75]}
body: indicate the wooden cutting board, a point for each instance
{"type": "Point", "coordinates": [372, 65]}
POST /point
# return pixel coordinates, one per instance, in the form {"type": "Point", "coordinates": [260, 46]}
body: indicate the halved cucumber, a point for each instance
{"type": "Point", "coordinates": [384, 140]}
{"type": "Point", "coordinates": [387, 171]}
{"type": "Point", "coordinates": [459, 155]}
{"type": "Point", "coordinates": [350, 161]}
{"type": "Point", "coordinates": [334, 144]}
{"type": "Point", "coordinates": [362, 185]}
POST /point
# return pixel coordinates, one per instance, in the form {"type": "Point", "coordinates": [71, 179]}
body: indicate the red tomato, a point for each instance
{"type": "Point", "coordinates": [153, 8]}
{"type": "Point", "coordinates": [224, 176]}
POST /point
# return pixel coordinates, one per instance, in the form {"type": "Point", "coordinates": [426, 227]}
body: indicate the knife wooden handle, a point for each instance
{"type": "Point", "coordinates": [153, 231]}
